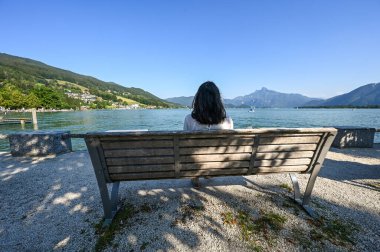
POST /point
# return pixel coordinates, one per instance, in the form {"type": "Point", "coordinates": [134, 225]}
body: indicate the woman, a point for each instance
{"type": "Point", "coordinates": [208, 110]}
{"type": "Point", "coordinates": [208, 113]}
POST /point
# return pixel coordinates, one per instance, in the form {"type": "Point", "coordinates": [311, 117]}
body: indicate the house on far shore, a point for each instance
{"type": "Point", "coordinates": [134, 106]}
{"type": "Point", "coordinates": [86, 97]}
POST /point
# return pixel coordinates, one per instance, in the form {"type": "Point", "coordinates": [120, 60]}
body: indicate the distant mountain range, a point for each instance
{"type": "Point", "coordinates": [364, 96]}
{"type": "Point", "coordinates": [265, 98]}
{"type": "Point", "coordinates": [182, 100]}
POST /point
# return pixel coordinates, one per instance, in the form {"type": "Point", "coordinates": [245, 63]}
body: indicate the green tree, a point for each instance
{"type": "Point", "coordinates": [11, 97]}
{"type": "Point", "coordinates": [32, 101]}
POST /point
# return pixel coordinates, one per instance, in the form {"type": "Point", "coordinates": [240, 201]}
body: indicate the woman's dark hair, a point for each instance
{"type": "Point", "coordinates": [208, 107]}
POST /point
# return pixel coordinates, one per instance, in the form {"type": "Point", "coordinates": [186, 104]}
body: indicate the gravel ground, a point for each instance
{"type": "Point", "coordinates": [53, 203]}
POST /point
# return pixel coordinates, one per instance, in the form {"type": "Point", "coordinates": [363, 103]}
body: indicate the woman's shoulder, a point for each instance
{"type": "Point", "coordinates": [189, 117]}
{"type": "Point", "coordinates": [228, 118]}
{"type": "Point", "coordinates": [189, 120]}
{"type": "Point", "coordinates": [229, 122]}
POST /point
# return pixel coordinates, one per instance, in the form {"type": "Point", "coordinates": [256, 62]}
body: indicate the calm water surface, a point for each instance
{"type": "Point", "coordinates": [172, 119]}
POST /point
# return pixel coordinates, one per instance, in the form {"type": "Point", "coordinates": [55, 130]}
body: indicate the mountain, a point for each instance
{"type": "Point", "coordinates": [367, 95]}
{"type": "Point", "coordinates": [182, 100]}
{"type": "Point", "coordinates": [27, 74]}
{"type": "Point", "coordinates": [260, 98]}
{"type": "Point", "coordinates": [364, 96]}
{"type": "Point", "coordinates": [265, 98]}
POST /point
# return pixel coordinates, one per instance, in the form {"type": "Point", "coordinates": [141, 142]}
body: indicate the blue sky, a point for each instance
{"type": "Point", "coordinates": [316, 48]}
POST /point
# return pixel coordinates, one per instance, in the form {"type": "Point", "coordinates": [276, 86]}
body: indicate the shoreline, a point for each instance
{"type": "Point", "coordinates": [142, 108]}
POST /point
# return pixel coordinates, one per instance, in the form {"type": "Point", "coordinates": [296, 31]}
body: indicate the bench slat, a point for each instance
{"type": "Point", "coordinates": [214, 172]}
{"type": "Point", "coordinates": [140, 161]}
{"type": "Point", "coordinates": [215, 165]}
{"type": "Point", "coordinates": [282, 162]}
{"type": "Point", "coordinates": [281, 169]}
{"type": "Point", "coordinates": [262, 131]}
{"type": "Point", "coordinates": [286, 147]}
{"type": "Point", "coordinates": [138, 152]}
{"type": "Point", "coordinates": [215, 150]}
{"type": "Point", "coordinates": [215, 142]}
{"type": "Point", "coordinates": [135, 138]}
{"type": "Point", "coordinates": [291, 135]}
{"type": "Point", "coordinates": [208, 172]}
{"type": "Point", "coordinates": [207, 136]}
{"type": "Point", "coordinates": [141, 176]}
{"type": "Point", "coordinates": [214, 158]}
{"type": "Point", "coordinates": [136, 144]}
{"type": "Point", "coordinates": [140, 168]}
{"type": "Point", "coordinates": [289, 140]}
{"type": "Point", "coordinates": [286, 154]}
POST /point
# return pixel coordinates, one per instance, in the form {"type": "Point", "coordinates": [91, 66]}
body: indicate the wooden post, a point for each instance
{"type": "Point", "coordinates": [22, 122]}
{"type": "Point", "coordinates": [34, 119]}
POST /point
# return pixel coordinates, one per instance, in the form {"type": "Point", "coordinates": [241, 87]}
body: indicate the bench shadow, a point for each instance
{"type": "Point", "coordinates": [345, 170]}
{"type": "Point", "coordinates": [179, 196]}
{"type": "Point", "coordinates": [353, 173]}
{"type": "Point", "coordinates": [360, 152]}
{"type": "Point", "coordinates": [46, 203]}
{"type": "Point", "coordinates": [358, 171]}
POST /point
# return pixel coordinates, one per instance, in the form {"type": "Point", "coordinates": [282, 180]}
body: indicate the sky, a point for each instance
{"type": "Point", "coordinates": [315, 48]}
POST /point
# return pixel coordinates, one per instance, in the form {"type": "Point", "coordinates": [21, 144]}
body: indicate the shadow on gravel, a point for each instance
{"type": "Point", "coordinates": [360, 152]}
{"type": "Point", "coordinates": [352, 172]}
{"type": "Point", "coordinates": [46, 203]}
{"type": "Point", "coordinates": [345, 170]}
{"type": "Point", "coordinates": [54, 204]}
{"type": "Point", "coordinates": [177, 212]}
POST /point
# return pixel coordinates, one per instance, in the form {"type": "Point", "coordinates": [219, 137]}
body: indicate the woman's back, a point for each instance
{"type": "Point", "coordinates": [192, 124]}
{"type": "Point", "coordinates": [208, 110]}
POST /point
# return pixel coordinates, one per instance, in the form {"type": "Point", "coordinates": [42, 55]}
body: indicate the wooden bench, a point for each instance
{"type": "Point", "coordinates": [126, 156]}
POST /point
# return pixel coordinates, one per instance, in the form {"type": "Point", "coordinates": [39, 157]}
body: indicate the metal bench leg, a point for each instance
{"type": "Point", "coordinates": [107, 205]}
{"type": "Point", "coordinates": [296, 187]}
{"type": "Point", "coordinates": [309, 189]}
{"type": "Point", "coordinates": [306, 198]}
{"type": "Point", "coordinates": [110, 204]}
{"type": "Point", "coordinates": [195, 182]}
{"type": "Point", "coordinates": [114, 197]}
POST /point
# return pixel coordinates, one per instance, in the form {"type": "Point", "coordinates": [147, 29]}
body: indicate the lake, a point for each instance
{"type": "Point", "coordinates": [172, 119]}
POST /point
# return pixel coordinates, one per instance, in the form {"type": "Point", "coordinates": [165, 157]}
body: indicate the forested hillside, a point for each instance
{"type": "Point", "coordinates": [26, 83]}
{"type": "Point", "coordinates": [364, 96]}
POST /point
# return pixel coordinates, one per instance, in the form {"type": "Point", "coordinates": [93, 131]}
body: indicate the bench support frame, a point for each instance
{"type": "Point", "coordinates": [109, 201]}
{"type": "Point", "coordinates": [297, 196]}
{"type": "Point", "coordinates": [319, 157]}
{"type": "Point", "coordinates": [110, 198]}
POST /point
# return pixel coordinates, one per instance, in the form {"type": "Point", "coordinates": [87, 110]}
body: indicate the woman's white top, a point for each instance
{"type": "Point", "coordinates": [192, 124]}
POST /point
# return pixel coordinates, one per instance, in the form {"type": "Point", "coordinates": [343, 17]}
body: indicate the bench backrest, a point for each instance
{"type": "Point", "coordinates": [121, 156]}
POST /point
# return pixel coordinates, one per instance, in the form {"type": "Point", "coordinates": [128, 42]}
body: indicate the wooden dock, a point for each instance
{"type": "Point", "coordinates": [5, 121]}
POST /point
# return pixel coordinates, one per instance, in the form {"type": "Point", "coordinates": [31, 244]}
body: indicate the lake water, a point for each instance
{"type": "Point", "coordinates": [172, 119]}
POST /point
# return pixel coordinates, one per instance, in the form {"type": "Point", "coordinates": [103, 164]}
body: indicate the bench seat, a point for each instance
{"type": "Point", "coordinates": [145, 155]}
